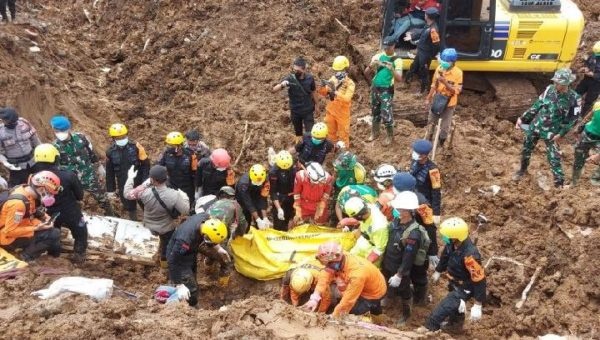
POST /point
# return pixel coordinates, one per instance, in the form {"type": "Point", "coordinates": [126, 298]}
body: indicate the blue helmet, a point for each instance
{"type": "Point", "coordinates": [404, 181]}
{"type": "Point", "coordinates": [422, 146]}
{"type": "Point", "coordinates": [449, 55]}
{"type": "Point", "coordinates": [60, 123]}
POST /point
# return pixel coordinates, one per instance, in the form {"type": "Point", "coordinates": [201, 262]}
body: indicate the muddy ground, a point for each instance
{"type": "Point", "coordinates": [162, 66]}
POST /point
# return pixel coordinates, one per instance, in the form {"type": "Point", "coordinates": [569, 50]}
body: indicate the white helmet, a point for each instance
{"type": "Point", "coordinates": [384, 172]}
{"type": "Point", "coordinates": [406, 200]}
{"type": "Point", "coordinates": [315, 172]}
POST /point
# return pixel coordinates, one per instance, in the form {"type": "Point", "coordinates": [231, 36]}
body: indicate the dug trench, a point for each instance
{"type": "Point", "coordinates": [161, 66]}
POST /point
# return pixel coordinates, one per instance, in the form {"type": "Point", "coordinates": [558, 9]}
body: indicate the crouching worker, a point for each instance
{"type": "Point", "coordinates": [23, 225]}
{"type": "Point", "coordinates": [182, 251]}
{"type": "Point", "coordinates": [360, 283]}
{"type": "Point", "coordinates": [299, 283]}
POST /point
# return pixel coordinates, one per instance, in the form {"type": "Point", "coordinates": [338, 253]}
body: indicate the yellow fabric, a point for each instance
{"type": "Point", "coordinates": [9, 262]}
{"type": "Point", "coordinates": [268, 254]}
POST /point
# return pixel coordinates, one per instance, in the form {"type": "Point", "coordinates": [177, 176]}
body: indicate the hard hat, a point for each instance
{"type": "Point", "coordinates": [449, 55]}
{"type": "Point", "coordinates": [60, 123]}
{"type": "Point", "coordinates": [215, 230]}
{"type": "Point", "coordinates": [404, 181]}
{"type": "Point", "coordinates": [227, 190]}
{"type": "Point", "coordinates": [301, 280]}
{"type": "Point", "coordinates": [389, 41]}
{"type": "Point", "coordinates": [284, 160]}
{"type": "Point", "coordinates": [355, 206]}
{"type": "Point", "coordinates": [315, 172]}
{"type": "Point", "coordinates": [330, 251]}
{"type": "Point", "coordinates": [45, 153]}
{"type": "Point", "coordinates": [319, 131]}
{"type": "Point", "coordinates": [406, 200]}
{"type": "Point", "coordinates": [174, 138]}
{"type": "Point", "coordinates": [432, 12]}
{"type": "Point", "coordinates": [384, 172]}
{"type": "Point", "coordinates": [258, 174]}
{"type": "Point", "coordinates": [596, 48]}
{"type": "Point", "coordinates": [340, 63]}
{"type": "Point", "coordinates": [193, 135]}
{"type": "Point", "coordinates": [117, 130]}
{"type": "Point", "coordinates": [596, 106]}
{"type": "Point", "coordinates": [220, 158]}
{"type": "Point", "coordinates": [455, 228]}
{"type": "Point", "coordinates": [564, 76]}
{"type": "Point", "coordinates": [46, 179]}
{"type": "Point", "coordinates": [345, 161]}
{"type": "Point", "coordinates": [422, 146]}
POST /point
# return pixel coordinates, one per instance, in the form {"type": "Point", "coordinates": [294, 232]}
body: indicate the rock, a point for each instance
{"type": "Point", "coordinates": [34, 49]}
{"type": "Point", "coordinates": [497, 172]}
{"type": "Point", "coordinates": [61, 53]}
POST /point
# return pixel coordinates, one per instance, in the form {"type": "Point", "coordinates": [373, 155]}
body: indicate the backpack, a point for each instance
{"type": "Point", "coordinates": [425, 242]}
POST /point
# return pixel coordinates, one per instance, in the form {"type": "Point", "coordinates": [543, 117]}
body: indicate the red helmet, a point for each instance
{"type": "Point", "coordinates": [330, 251]}
{"type": "Point", "coordinates": [220, 158]}
{"type": "Point", "coordinates": [46, 179]}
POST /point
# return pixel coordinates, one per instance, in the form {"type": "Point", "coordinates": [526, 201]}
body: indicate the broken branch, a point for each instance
{"type": "Point", "coordinates": [528, 288]}
{"type": "Point", "coordinates": [344, 27]}
{"type": "Point", "coordinates": [244, 142]}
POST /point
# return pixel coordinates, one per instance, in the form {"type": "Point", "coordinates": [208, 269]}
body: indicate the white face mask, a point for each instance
{"type": "Point", "coordinates": [415, 156]}
{"type": "Point", "coordinates": [221, 169]}
{"type": "Point", "coordinates": [122, 142]}
{"type": "Point", "coordinates": [62, 136]}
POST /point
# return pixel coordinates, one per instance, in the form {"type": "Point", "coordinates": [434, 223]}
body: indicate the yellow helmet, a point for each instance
{"type": "Point", "coordinates": [596, 106]}
{"type": "Point", "coordinates": [215, 230]}
{"type": "Point", "coordinates": [340, 63]}
{"type": "Point", "coordinates": [258, 174]}
{"type": "Point", "coordinates": [301, 280]}
{"type": "Point", "coordinates": [175, 138]}
{"type": "Point", "coordinates": [45, 153]}
{"type": "Point", "coordinates": [319, 131]}
{"type": "Point", "coordinates": [596, 48]}
{"type": "Point", "coordinates": [355, 206]}
{"type": "Point", "coordinates": [117, 130]}
{"type": "Point", "coordinates": [284, 160]}
{"type": "Point", "coordinates": [455, 228]}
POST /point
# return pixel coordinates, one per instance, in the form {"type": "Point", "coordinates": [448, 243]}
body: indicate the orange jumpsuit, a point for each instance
{"type": "Point", "coordinates": [315, 268]}
{"type": "Point", "coordinates": [384, 200]}
{"type": "Point", "coordinates": [15, 221]}
{"type": "Point", "coordinates": [337, 111]}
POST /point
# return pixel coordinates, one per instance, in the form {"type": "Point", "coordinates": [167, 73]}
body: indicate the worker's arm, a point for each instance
{"type": "Point", "coordinates": [128, 191]}
{"type": "Point", "coordinates": [246, 200]}
{"type": "Point", "coordinates": [397, 69]}
{"type": "Point", "coordinates": [380, 240]}
{"type": "Point", "coordinates": [144, 170]}
{"type": "Point", "coordinates": [445, 256]}
{"type": "Point", "coordinates": [346, 91]}
{"type": "Point", "coordinates": [571, 119]}
{"type": "Point", "coordinates": [34, 139]}
{"type": "Point", "coordinates": [284, 84]}
{"type": "Point", "coordinates": [432, 233]}
{"type": "Point", "coordinates": [473, 265]}
{"type": "Point", "coordinates": [76, 186]}
{"type": "Point", "coordinates": [110, 175]}
{"type": "Point", "coordinates": [436, 191]}
{"type": "Point", "coordinates": [411, 247]}
{"type": "Point", "coordinates": [355, 287]}
{"type": "Point", "coordinates": [182, 204]}
{"type": "Point", "coordinates": [16, 224]}
{"type": "Point", "coordinates": [323, 281]}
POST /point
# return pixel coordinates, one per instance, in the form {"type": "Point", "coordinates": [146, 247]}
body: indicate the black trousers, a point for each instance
{"type": "Point", "coordinates": [182, 270]}
{"type": "Point", "coordinates": [43, 240]}
{"type": "Point", "coordinates": [591, 89]}
{"type": "Point", "coordinates": [306, 119]}
{"type": "Point", "coordinates": [418, 278]}
{"type": "Point", "coordinates": [420, 67]}
{"type": "Point", "coordinates": [448, 308]}
{"type": "Point", "coordinates": [11, 7]}
{"type": "Point", "coordinates": [163, 242]}
{"type": "Point", "coordinates": [73, 220]}
{"type": "Point", "coordinates": [362, 306]}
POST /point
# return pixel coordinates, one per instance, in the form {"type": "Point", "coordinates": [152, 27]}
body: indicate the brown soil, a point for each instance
{"type": "Point", "coordinates": [210, 64]}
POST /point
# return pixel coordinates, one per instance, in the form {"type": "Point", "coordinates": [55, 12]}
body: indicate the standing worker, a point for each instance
{"type": "Point", "coordinates": [315, 146]}
{"type": "Point", "coordinates": [120, 156]}
{"type": "Point", "coordinates": [77, 155]}
{"type": "Point", "coordinates": [387, 67]}
{"type": "Point", "coordinates": [252, 192]}
{"type": "Point", "coordinates": [195, 142]}
{"type": "Point", "coordinates": [181, 164]}
{"type": "Point", "coordinates": [11, 4]}
{"type": "Point", "coordinates": [303, 97]}
{"type": "Point", "coordinates": [383, 176]}
{"type": "Point", "coordinates": [462, 262]}
{"type": "Point", "coordinates": [427, 174]}
{"type": "Point", "coordinates": [550, 118]}
{"type": "Point", "coordinates": [373, 231]}
{"type": "Point", "coordinates": [18, 139]}
{"type": "Point", "coordinates": [590, 139]}
{"type": "Point", "coordinates": [590, 84]}
{"type": "Point", "coordinates": [445, 88]}
{"type": "Point", "coordinates": [312, 189]}
{"type": "Point", "coordinates": [214, 172]}
{"type": "Point", "coordinates": [281, 179]}
{"type": "Point", "coordinates": [339, 89]}
{"type": "Point", "coordinates": [67, 200]}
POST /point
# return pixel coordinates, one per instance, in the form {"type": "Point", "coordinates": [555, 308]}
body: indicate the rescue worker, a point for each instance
{"type": "Point", "coordinates": [182, 250]}
{"type": "Point", "coordinates": [312, 189]}
{"type": "Point", "coordinates": [162, 205]}
{"type": "Point", "coordinates": [303, 97]}
{"type": "Point", "coordinates": [77, 155]}
{"type": "Point", "coordinates": [387, 67]}
{"type": "Point", "coordinates": [427, 174]}
{"type": "Point", "coordinates": [23, 225]}
{"type": "Point", "coordinates": [428, 46]}
{"type": "Point", "coordinates": [589, 139]}
{"type": "Point", "coordinates": [461, 261]}
{"type": "Point", "coordinates": [363, 191]}
{"type": "Point", "coordinates": [214, 172]}
{"type": "Point", "coordinates": [446, 86]}
{"type": "Point", "coordinates": [372, 233]}
{"type": "Point", "coordinates": [383, 176]}
{"type": "Point", "coordinates": [405, 259]}
{"type": "Point", "coordinates": [18, 138]}
{"type": "Point", "coordinates": [360, 283]}
{"type": "Point", "coordinates": [252, 192]}
{"type": "Point", "coordinates": [195, 142]}
{"type": "Point", "coordinates": [120, 156]}
{"type": "Point", "coordinates": [299, 283]}
{"type": "Point", "coordinates": [339, 89]}
{"type": "Point", "coordinates": [67, 203]}
{"type": "Point", "coordinates": [315, 146]}
{"type": "Point", "coordinates": [412, 16]}
{"type": "Point", "coordinates": [550, 118]}
{"type": "Point", "coordinates": [590, 84]}
{"type": "Point", "coordinates": [181, 164]}
{"type": "Point", "coordinates": [281, 180]}
{"type": "Point", "coordinates": [348, 170]}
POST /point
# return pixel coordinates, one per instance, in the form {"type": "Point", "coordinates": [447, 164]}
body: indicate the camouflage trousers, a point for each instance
{"type": "Point", "coordinates": [582, 150]}
{"type": "Point", "coordinates": [381, 106]}
{"type": "Point", "coordinates": [552, 154]}
{"type": "Point", "coordinates": [90, 183]}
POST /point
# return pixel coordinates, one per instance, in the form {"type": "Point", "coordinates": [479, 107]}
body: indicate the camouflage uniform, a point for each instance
{"type": "Point", "coordinates": [590, 139]}
{"type": "Point", "coordinates": [76, 154]}
{"type": "Point", "coordinates": [552, 114]}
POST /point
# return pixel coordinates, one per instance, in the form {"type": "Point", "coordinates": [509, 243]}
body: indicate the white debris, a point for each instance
{"type": "Point", "coordinates": [34, 49]}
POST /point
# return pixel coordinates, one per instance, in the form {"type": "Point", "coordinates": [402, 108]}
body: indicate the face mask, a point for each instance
{"type": "Point", "coordinates": [446, 240]}
{"type": "Point", "coordinates": [340, 76]}
{"type": "Point", "coordinates": [10, 126]}
{"type": "Point", "coordinates": [380, 186]}
{"type": "Point", "coordinates": [48, 200]}
{"type": "Point", "coordinates": [396, 213]}
{"type": "Point", "coordinates": [415, 156]}
{"type": "Point", "coordinates": [122, 142]}
{"type": "Point", "coordinates": [257, 183]}
{"type": "Point", "coordinates": [62, 136]}
{"type": "Point", "coordinates": [317, 141]}
{"type": "Point", "coordinates": [445, 65]}
{"type": "Point", "coordinates": [335, 265]}
{"type": "Point", "coordinates": [221, 169]}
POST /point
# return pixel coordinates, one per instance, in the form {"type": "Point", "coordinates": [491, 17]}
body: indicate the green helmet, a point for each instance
{"type": "Point", "coordinates": [564, 76]}
{"type": "Point", "coordinates": [345, 161]}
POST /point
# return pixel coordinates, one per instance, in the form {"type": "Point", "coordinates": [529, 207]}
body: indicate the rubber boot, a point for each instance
{"type": "Point", "coordinates": [389, 138]}
{"type": "Point", "coordinates": [133, 215]}
{"type": "Point", "coordinates": [405, 313]}
{"type": "Point", "coordinates": [520, 173]}
{"type": "Point", "coordinates": [595, 179]}
{"type": "Point", "coordinates": [374, 132]}
{"type": "Point", "coordinates": [576, 176]}
{"type": "Point", "coordinates": [420, 295]}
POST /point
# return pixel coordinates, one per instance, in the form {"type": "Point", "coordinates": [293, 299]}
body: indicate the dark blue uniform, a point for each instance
{"type": "Point", "coordinates": [310, 152]}
{"type": "Point", "coordinates": [428, 183]}
{"type": "Point", "coordinates": [118, 161]}
{"type": "Point", "coordinates": [282, 187]}
{"type": "Point", "coordinates": [181, 170]}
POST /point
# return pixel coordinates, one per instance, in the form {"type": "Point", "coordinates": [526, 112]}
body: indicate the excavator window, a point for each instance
{"type": "Point", "coordinates": [466, 22]}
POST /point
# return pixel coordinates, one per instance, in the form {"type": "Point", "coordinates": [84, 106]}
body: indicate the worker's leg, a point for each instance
{"type": "Point", "coordinates": [553, 155]}
{"type": "Point", "coordinates": [78, 227]}
{"type": "Point", "coordinates": [591, 96]}
{"type": "Point", "coordinates": [446, 122]}
{"type": "Point", "coordinates": [405, 292]}
{"type": "Point", "coordinates": [425, 61]}
{"type": "Point", "coordinates": [363, 306]}
{"type": "Point", "coordinates": [582, 149]}
{"type": "Point", "coordinates": [3, 10]}
{"type": "Point", "coordinates": [331, 123]}
{"type": "Point", "coordinates": [343, 126]}
{"type": "Point", "coordinates": [43, 240]}
{"type": "Point", "coordinates": [414, 69]}
{"type": "Point", "coordinates": [446, 308]}
{"type": "Point", "coordinates": [309, 120]}
{"type": "Point", "coordinates": [297, 124]}
{"type": "Point", "coordinates": [92, 185]}
{"type": "Point", "coordinates": [531, 139]}
{"type": "Point", "coordinates": [387, 113]}
{"type": "Point", "coordinates": [418, 276]}
{"type": "Point", "coordinates": [13, 9]}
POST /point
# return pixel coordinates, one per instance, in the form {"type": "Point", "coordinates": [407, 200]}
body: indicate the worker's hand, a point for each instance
{"type": "Point", "coordinates": [43, 226]}
{"type": "Point", "coordinates": [340, 145]}
{"type": "Point", "coordinates": [285, 83]}
{"type": "Point", "coordinates": [437, 219]}
{"type": "Point", "coordinates": [556, 138]}
{"type": "Point", "coordinates": [407, 36]}
{"type": "Point", "coordinates": [594, 158]}
{"type": "Point", "coordinates": [395, 281]}
{"type": "Point", "coordinates": [261, 224]}
{"type": "Point", "coordinates": [427, 101]}
{"type": "Point", "coordinates": [183, 293]}
{"type": "Point", "coordinates": [476, 312]}
{"type": "Point", "coordinates": [313, 303]}
{"type": "Point", "coordinates": [518, 124]}
{"type": "Point", "coordinates": [131, 173]}
{"type": "Point", "coordinates": [298, 220]}
{"type": "Point", "coordinates": [435, 277]}
{"type": "Point", "coordinates": [224, 281]}
{"type": "Point", "coordinates": [433, 261]}
{"type": "Point", "coordinates": [223, 253]}
{"type": "Point", "coordinates": [11, 166]}
{"type": "Point", "coordinates": [462, 308]}
{"type": "Point", "coordinates": [280, 214]}
{"type": "Point", "coordinates": [348, 222]}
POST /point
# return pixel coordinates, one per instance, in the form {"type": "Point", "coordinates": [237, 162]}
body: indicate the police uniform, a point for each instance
{"type": "Point", "coordinates": [252, 198]}
{"type": "Point", "coordinates": [428, 45]}
{"type": "Point", "coordinates": [182, 170]}
{"type": "Point", "coordinates": [18, 139]}
{"type": "Point", "coordinates": [282, 190]}
{"type": "Point", "coordinates": [308, 151]}
{"type": "Point", "coordinates": [429, 183]}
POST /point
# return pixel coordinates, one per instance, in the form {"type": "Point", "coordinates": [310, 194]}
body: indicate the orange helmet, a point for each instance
{"type": "Point", "coordinates": [46, 179]}
{"type": "Point", "coordinates": [330, 251]}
